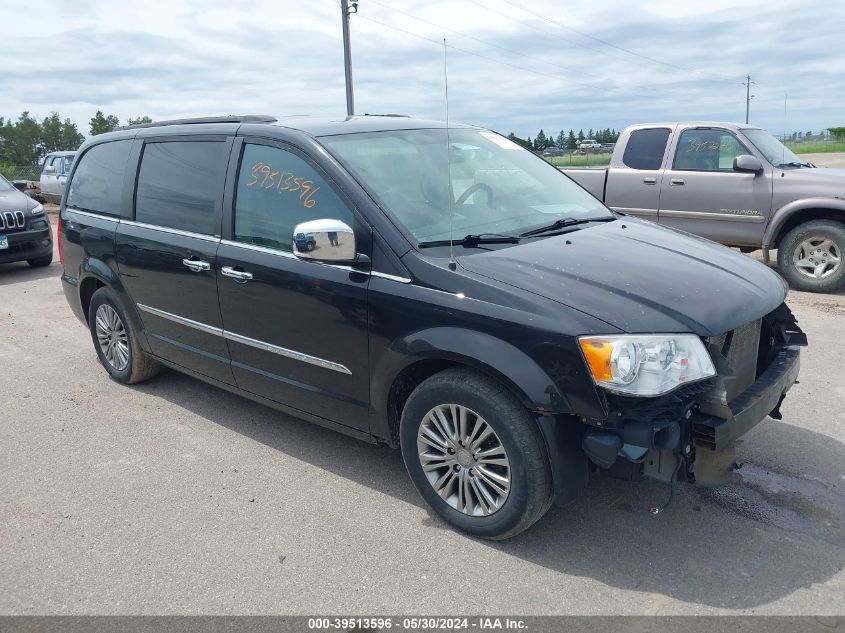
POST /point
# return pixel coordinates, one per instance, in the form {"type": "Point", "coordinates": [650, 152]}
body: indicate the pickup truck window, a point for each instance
{"type": "Point", "coordinates": [707, 150]}
{"type": "Point", "coordinates": [645, 148]}
{"type": "Point", "coordinates": [276, 191]}
{"type": "Point", "coordinates": [774, 151]}
{"type": "Point", "coordinates": [490, 184]}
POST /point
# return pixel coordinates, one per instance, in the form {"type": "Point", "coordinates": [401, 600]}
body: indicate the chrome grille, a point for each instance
{"type": "Point", "coordinates": [12, 220]}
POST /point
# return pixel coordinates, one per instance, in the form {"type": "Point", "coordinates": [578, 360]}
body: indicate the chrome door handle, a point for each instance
{"type": "Point", "coordinates": [650, 181]}
{"type": "Point", "coordinates": [677, 181]}
{"type": "Point", "coordinates": [196, 265]}
{"type": "Point", "coordinates": [237, 275]}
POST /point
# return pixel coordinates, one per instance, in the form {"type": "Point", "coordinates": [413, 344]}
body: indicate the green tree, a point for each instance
{"type": "Point", "coordinates": [581, 136]}
{"type": "Point", "coordinates": [58, 135]}
{"type": "Point", "coordinates": [520, 141]}
{"type": "Point", "coordinates": [21, 141]}
{"type": "Point", "coordinates": [540, 141]}
{"type": "Point", "coordinates": [561, 140]}
{"type": "Point", "coordinates": [838, 133]}
{"type": "Point", "coordinates": [570, 140]}
{"type": "Point", "coordinates": [101, 124]}
{"type": "Point", "coordinates": [139, 121]}
{"type": "Point", "coordinates": [591, 135]}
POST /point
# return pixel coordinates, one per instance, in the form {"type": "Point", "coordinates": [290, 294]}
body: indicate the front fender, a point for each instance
{"type": "Point", "coordinates": [488, 354]}
{"type": "Point", "coordinates": [780, 216]}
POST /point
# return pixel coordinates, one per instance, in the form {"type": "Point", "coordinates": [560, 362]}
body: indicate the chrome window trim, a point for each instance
{"type": "Point", "coordinates": [287, 255]}
{"type": "Point", "coordinates": [111, 218]}
{"type": "Point", "coordinates": [164, 229]}
{"type": "Point", "coordinates": [208, 329]}
{"type": "Point", "coordinates": [245, 340]}
{"type": "Point", "coordinates": [401, 280]}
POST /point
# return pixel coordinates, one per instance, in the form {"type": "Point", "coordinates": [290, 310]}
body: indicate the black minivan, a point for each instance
{"type": "Point", "coordinates": [438, 289]}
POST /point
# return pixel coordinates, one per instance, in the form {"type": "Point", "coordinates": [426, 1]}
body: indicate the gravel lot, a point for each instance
{"type": "Point", "coordinates": [176, 497]}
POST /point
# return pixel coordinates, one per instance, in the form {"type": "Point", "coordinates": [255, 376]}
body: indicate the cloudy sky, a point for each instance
{"type": "Point", "coordinates": [514, 65]}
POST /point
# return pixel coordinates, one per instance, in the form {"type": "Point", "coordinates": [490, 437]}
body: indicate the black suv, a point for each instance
{"type": "Point", "coordinates": [25, 232]}
{"type": "Point", "coordinates": [459, 298]}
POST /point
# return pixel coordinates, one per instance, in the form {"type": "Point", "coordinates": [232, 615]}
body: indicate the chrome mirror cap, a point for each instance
{"type": "Point", "coordinates": [324, 241]}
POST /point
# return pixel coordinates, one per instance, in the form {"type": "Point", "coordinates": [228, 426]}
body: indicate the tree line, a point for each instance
{"type": "Point", "coordinates": [563, 140]}
{"type": "Point", "coordinates": [25, 141]}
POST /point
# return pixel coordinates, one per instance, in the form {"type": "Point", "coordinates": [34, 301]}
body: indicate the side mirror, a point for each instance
{"type": "Point", "coordinates": [330, 241]}
{"type": "Point", "coordinates": [50, 169]}
{"type": "Point", "coordinates": [748, 163]}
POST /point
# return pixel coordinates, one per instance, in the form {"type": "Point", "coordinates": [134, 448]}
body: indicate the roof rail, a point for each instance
{"type": "Point", "coordinates": [403, 116]}
{"type": "Point", "coordinates": [248, 118]}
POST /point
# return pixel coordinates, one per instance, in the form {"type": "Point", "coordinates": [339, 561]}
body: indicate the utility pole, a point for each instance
{"type": "Point", "coordinates": [748, 95]}
{"type": "Point", "coordinates": [348, 8]}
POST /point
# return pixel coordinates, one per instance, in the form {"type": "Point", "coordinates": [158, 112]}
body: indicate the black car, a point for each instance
{"type": "Point", "coordinates": [25, 232]}
{"type": "Point", "coordinates": [463, 301]}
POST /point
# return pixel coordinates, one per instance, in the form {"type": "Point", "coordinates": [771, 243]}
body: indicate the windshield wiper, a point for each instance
{"type": "Point", "coordinates": [471, 240]}
{"type": "Point", "coordinates": [796, 164]}
{"type": "Point", "coordinates": [565, 223]}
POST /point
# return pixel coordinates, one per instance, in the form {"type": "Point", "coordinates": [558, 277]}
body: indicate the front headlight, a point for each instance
{"type": "Point", "coordinates": [648, 364]}
{"type": "Point", "coordinates": [38, 209]}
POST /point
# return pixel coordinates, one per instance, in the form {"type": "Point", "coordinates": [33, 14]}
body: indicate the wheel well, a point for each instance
{"type": "Point", "coordinates": [86, 290]}
{"type": "Point", "coordinates": [405, 382]}
{"type": "Point", "coordinates": [806, 215]}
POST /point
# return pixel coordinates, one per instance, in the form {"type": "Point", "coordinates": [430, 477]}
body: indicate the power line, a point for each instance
{"type": "Point", "coordinates": [510, 51]}
{"type": "Point", "coordinates": [596, 39]}
{"type": "Point", "coordinates": [469, 52]}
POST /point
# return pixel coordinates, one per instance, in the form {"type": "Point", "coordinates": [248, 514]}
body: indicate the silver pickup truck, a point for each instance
{"type": "Point", "coordinates": [734, 184]}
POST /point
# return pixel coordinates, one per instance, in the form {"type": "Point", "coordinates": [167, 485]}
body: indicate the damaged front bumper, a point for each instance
{"type": "Point", "coordinates": [751, 407]}
{"type": "Point", "coordinates": [686, 433]}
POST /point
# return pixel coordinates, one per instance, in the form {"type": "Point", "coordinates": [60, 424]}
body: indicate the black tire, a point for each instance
{"type": "Point", "coordinates": [40, 262]}
{"type": "Point", "coordinates": [139, 367]}
{"type": "Point", "coordinates": [309, 246]}
{"type": "Point", "coordinates": [531, 490]}
{"type": "Point", "coordinates": [823, 229]}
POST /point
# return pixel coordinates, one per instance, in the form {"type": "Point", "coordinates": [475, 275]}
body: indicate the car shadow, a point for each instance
{"type": "Point", "coordinates": [21, 272]}
{"type": "Point", "coordinates": [738, 547]}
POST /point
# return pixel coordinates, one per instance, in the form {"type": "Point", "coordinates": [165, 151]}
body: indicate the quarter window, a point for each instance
{"type": "Point", "coordinates": [707, 150]}
{"type": "Point", "coordinates": [645, 148]}
{"type": "Point", "coordinates": [276, 191]}
{"type": "Point", "coordinates": [97, 184]}
{"type": "Point", "coordinates": [180, 185]}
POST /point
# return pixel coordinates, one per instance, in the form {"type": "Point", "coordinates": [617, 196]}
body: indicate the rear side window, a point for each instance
{"type": "Point", "coordinates": [645, 148]}
{"type": "Point", "coordinates": [276, 191]}
{"type": "Point", "coordinates": [707, 150]}
{"type": "Point", "coordinates": [97, 183]}
{"type": "Point", "coordinates": [180, 185]}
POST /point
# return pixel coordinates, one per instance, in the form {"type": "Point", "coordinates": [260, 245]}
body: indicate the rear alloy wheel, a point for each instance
{"type": "Point", "coordinates": [810, 256]}
{"type": "Point", "coordinates": [475, 454]}
{"type": "Point", "coordinates": [116, 342]}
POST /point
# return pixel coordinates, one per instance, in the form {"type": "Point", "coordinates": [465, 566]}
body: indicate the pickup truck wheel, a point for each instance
{"type": "Point", "coordinates": [810, 256]}
{"type": "Point", "coordinates": [116, 342]}
{"type": "Point", "coordinates": [475, 454]}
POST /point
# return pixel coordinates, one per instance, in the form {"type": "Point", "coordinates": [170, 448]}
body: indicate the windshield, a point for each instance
{"type": "Point", "coordinates": [495, 186]}
{"type": "Point", "coordinates": [775, 152]}
{"type": "Point", "coordinates": [5, 185]}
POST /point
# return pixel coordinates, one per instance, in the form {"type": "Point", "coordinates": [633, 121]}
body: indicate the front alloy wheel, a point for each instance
{"type": "Point", "coordinates": [464, 460]}
{"type": "Point", "coordinates": [475, 454]}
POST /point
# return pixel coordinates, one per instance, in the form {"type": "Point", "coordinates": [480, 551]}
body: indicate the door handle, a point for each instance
{"type": "Point", "coordinates": [677, 181]}
{"type": "Point", "coordinates": [650, 181]}
{"type": "Point", "coordinates": [238, 275]}
{"type": "Point", "coordinates": [196, 265]}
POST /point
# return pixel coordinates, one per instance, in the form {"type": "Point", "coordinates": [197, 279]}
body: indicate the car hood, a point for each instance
{"type": "Point", "coordinates": [639, 277]}
{"type": "Point", "coordinates": [14, 200]}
